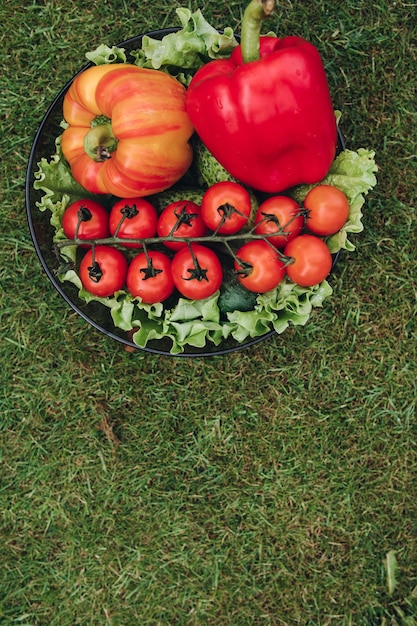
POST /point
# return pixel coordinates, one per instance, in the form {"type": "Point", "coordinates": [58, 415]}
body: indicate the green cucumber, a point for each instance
{"type": "Point", "coordinates": [207, 169]}
{"type": "Point", "coordinates": [234, 296]}
{"type": "Point", "coordinates": [176, 194]}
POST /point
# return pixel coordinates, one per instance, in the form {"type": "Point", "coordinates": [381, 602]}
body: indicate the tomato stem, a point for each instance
{"type": "Point", "coordinates": [127, 212]}
{"type": "Point", "coordinates": [245, 268]}
{"type": "Point", "coordinates": [211, 238]}
{"type": "Point", "coordinates": [281, 230]}
{"type": "Point", "coordinates": [183, 217]}
{"type": "Point", "coordinates": [230, 250]}
{"type": "Point", "coordinates": [149, 271]}
{"type": "Point", "coordinates": [94, 270]}
{"type": "Point", "coordinates": [84, 215]}
{"type": "Point", "coordinates": [226, 211]}
{"type": "Point", "coordinates": [197, 272]}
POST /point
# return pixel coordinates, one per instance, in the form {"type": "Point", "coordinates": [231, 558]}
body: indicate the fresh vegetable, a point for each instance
{"type": "Point", "coordinates": [149, 277]}
{"type": "Point", "coordinates": [133, 218]}
{"type": "Point", "coordinates": [103, 271]}
{"type": "Point", "coordinates": [266, 113]}
{"type": "Point", "coordinates": [311, 260]}
{"type": "Point", "coordinates": [197, 272]}
{"type": "Point", "coordinates": [182, 52]}
{"type": "Point", "coordinates": [282, 215]}
{"type": "Point", "coordinates": [181, 219]}
{"type": "Point", "coordinates": [178, 193]}
{"type": "Point", "coordinates": [233, 296]}
{"type": "Point", "coordinates": [259, 267]}
{"type": "Point", "coordinates": [327, 210]}
{"type": "Point", "coordinates": [127, 131]}
{"type": "Point", "coordinates": [205, 167]}
{"type": "Point", "coordinates": [226, 207]}
{"type": "Point", "coordinates": [85, 219]}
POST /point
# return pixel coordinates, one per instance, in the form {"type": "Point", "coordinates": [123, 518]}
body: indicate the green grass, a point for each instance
{"type": "Point", "coordinates": [265, 487]}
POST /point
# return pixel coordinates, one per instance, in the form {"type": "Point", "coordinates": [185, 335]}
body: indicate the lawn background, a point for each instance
{"type": "Point", "coordinates": [263, 487]}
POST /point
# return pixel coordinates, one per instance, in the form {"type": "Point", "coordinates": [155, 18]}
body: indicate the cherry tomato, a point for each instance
{"type": "Point", "coordinates": [196, 271]}
{"type": "Point", "coordinates": [312, 260]}
{"type": "Point", "coordinates": [279, 213]}
{"type": "Point", "coordinates": [181, 219]}
{"type": "Point", "coordinates": [134, 218]}
{"type": "Point", "coordinates": [85, 219]}
{"type": "Point", "coordinates": [327, 210]}
{"type": "Point", "coordinates": [226, 207]}
{"type": "Point", "coordinates": [103, 270]}
{"type": "Point", "coordinates": [259, 267]}
{"type": "Point", "coordinates": [149, 277]}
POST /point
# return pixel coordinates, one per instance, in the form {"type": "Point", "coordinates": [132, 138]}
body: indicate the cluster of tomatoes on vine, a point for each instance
{"type": "Point", "coordinates": [176, 249]}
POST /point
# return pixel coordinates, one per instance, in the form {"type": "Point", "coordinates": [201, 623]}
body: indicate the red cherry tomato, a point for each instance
{"type": "Point", "coordinates": [259, 267]}
{"type": "Point", "coordinates": [103, 270]}
{"type": "Point", "coordinates": [86, 219]}
{"type": "Point", "coordinates": [312, 260]}
{"type": "Point", "coordinates": [133, 218]}
{"type": "Point", "coordinates": [279, 213]}
{"type": "Point", "coordinates": [181, 219]}
{"type": "Point", "coordinates": [149, 277]}
{"type": "Point", "coordinates": [226, 207]}
{"type": "Point", "coordinates": [196, 271]}
{"type": "Point", "coordinates": [327, 210]}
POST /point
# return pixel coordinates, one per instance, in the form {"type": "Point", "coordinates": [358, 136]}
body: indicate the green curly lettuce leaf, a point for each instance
{"type": "Point", "coordinates": [55, 180]}
{"type": "Point", "coordinates": [187, 49]}
{"type": "Point", "coordinates": [197, 322]}
{"type": "Point", "coordinates": [189, 322]}
{"type": "Point", "coordinates": [104, 54]}
{"type": "Point", "coordinates": [353, 173]}
{"type": "Point", "coordinates": [285, 305]}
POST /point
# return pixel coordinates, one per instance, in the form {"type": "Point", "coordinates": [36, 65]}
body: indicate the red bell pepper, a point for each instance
{"type": "Point", "coordinates": [266, 113]}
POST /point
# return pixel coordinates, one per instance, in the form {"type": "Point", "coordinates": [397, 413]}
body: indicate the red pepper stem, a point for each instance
{"type": "Point", "coordinates": [255, 13]}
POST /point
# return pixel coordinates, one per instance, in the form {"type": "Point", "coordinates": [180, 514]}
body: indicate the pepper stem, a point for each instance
{"type": "Point", "coordinates": [255, 13]}
{"type": "Point", "coordinates": [100, 142]}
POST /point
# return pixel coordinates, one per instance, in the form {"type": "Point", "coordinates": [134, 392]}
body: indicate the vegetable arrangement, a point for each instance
{"type": "Point", "coordinates": [193, 211]}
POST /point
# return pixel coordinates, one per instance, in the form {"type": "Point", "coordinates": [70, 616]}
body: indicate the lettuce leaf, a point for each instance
{"type": "Point", "coordinates": [55, 180]}
{"type": "Point", "coordinates": [187, 49]}
{"type": "Point", "coordinates": [285, 305]}
{"type": "Point", "coordinates": [104, 54]}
